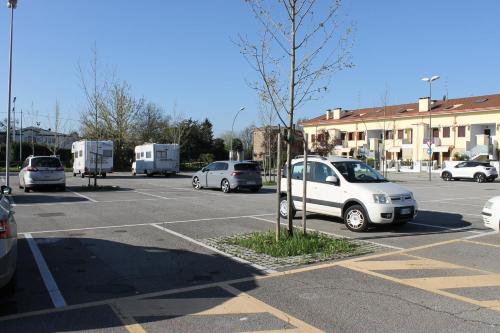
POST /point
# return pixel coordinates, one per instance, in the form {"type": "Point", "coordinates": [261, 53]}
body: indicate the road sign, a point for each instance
{"type": "Point", "coordinates": [429, 151]}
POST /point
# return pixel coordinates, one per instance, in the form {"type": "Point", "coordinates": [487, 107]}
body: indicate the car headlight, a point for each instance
{"type": "Point", "coordinates": [381, 199]}
{"type": "Point", "coordinates": [488, 205]}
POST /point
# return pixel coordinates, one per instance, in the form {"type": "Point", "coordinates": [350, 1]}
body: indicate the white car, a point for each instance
{"type": "Point", "coordinates": [479, 171]}
{"type": "Point", "coordinates": [8, 243]}
{"type": "Point", "coordinates": [491, 213]}
{"type": "Point", "coordinates": [42, 171]}
{"type": "Point", "coordinates": [349, 189]}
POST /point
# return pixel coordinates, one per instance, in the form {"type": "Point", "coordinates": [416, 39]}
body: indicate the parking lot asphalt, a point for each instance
{"type": "Point", "coordinates": [134, 260]}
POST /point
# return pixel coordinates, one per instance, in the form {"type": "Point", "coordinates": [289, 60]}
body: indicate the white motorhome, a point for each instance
{"type": "Point", "coordinates": [156, 158]}
{"type": "Point", "coordinates": [84, 157]}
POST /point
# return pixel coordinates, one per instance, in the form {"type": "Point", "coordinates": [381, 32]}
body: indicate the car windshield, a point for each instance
{"type": "Point", "coordinates": [358, 172]}
{"type": "Point", "coordinates": [246, 166]}
{"type": "Point", "coordinates": [45, 162]}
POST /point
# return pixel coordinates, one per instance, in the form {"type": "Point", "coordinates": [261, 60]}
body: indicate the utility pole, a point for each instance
{"type": "Point", "coordinates": [12, 5]}
{"type": "Point", "coordinates": [21, 139]}
{"type": "Point", "coordinates": [278, 185]}
{"type": "Point", "coordinates": [429, 149]}
{"type": "Point", "coordinates": [304, 188]}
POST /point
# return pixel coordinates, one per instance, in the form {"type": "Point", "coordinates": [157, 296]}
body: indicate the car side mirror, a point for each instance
{"type": "Point", "coordinates": [204, 170]}
{"type": "Point", "coordinates": [6, 190]}
{"type": "Point", "coordinates": [332, 180]}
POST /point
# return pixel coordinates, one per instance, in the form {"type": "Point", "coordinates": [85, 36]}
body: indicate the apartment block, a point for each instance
{"type": "Point", "coordinates": [467, 126]}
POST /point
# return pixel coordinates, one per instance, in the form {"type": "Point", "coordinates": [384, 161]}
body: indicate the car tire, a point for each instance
{"type": "Point", "coordinates": [26, 189]}
{"type": "Point", "coordinates": [284, 208]}
{"type": "Point", "coordinates": [196, 183]}
{"type": "Point", "coordinates": [446, 176]}
{"type": "Point", "coordinates": [10, 288]}
{"type": "Point", "coordinates": [62, 188]}
{"type": "Point", "coordinates": [82, 175]}
{"type": "Point", "coordinates": [255, 189]}
{"type": "Point", "coordinates": [133, 174]}
{"type": "Point", "coordinates": [103, 175]}
{"type": "Point", "coordinates": [356, 218]}
{"type": "Point", "coordinates": [225, 186]}
{"type": "Point", "coordinates": [74, 174]}
{"type": "Point", "coordinates": [480, 177]}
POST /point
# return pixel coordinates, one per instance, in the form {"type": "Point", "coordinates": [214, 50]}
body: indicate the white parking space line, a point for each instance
{"type": "Point", "coordinates": [81, 195]}
{"type": "Point", "coordinates": [48, 279]}
{"type": "Point", "coordinates": [466, 229]}
{"type": "Point", "coordinates": [213, 249]}
{"type": "Point", "coordinates": [144, 224]}
{"type": "Point", "coordinates": [335, 235]}
{"type": "Point", "coordinates": [155, 196]}
{"type": "Point", "coordinates": [453, 199]}
{"type": "Point", "coordinates": [81, 202]}
{"type": "Point", "coordinates": [482, 234]}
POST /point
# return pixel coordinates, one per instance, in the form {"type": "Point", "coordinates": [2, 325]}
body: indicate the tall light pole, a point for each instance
{"type": "Point", "coordinates": [12, 4]}
{"type": "Point", "coordinates": [21, 140]}
{"type": "Point", "coordinates": [429, 80]}
{"type": "Point", "coordinates": [232, 133]}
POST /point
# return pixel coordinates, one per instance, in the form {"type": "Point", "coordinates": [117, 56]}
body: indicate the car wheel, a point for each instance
{"type": "Point", "coordinates": [62, 188]}
{"type": "Point", "coordinates": [480, 177]}
{"type": "Point", "coordinates": [10, 288]}
{"type": "Point", "coordinates": [103, 175]}
{"type": "Point", "coordinates": [196, 183]}
{"type": "Point", "coordinates": [255, 189]}
{"type": "Point", "coordinates": [133, 174]}
{"type": "Point", "coordinates": [284, 208]}
{"type": "Point", "coordinates": [74, 174]}
{"type": "Point", "coordinates": [356, 219]}
{"type": "Point", "coordinates": [26, 189]}
{"type": "Point", "coordinates": [82, 175]}
{"type": "Point", "coordinates": [225, 186]}
{"type": "Point", "coordinates": [446, 176]}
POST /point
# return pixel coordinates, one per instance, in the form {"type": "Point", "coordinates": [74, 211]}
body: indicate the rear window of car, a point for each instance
{"type": "Point", "coordinates": [46, 162]}
{"type": "Point", "coordinates": [486, 164]}
{"type": "Point", "coordinates": [246, 166]}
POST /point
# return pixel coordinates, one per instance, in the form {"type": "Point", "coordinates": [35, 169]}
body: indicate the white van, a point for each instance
{"type": "Point", "coordinates": [156, 158]}
{"type": "Point", "coordinates": [84, 157]}
{"type": "Point", "coordinates": [348, 189]}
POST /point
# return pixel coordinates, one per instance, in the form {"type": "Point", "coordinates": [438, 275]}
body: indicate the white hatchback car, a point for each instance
{"type": "Point", "coordinates": [42, 171]}
{"type": "Point", "coordinates": [349, 189]}
{"type": "Point", "coordinates": [491, 213]}
{"type": "Point", "coordinates": [479, 171]}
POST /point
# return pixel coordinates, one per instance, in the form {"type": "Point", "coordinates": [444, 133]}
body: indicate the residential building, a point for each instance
{"type": "Point", "coordinates": [263, 137]}
{"type": "Point", "coordinates": [464, 126]}
{"type": "Point", "coordinates": [42, 136]}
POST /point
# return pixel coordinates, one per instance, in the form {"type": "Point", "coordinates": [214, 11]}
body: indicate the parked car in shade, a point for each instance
{"type": "Point", "coordinates": [8, 243]}
{"type": "Point", "coordinates": [42, 171]}
{"type": "Point", "coordinates": [491, 213]}
{"type": "Point", "coordinates": [479, 171]}
{"type": "Point", "coordinates": [228, 176]}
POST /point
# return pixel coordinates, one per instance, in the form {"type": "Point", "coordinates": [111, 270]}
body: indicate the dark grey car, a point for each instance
{"type": "Point", "coordinates": [229, 175]}
{"type": "Point", "coordinates": [8, 243]}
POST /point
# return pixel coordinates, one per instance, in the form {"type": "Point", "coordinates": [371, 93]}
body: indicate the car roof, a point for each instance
{"type": "Point", "coordinates": [329, 158]}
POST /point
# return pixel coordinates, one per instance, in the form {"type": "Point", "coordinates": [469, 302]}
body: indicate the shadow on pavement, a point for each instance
{"type": "Point", "coordinates": [136, 278]}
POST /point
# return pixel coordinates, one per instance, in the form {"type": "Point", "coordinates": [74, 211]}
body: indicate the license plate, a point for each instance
{"type": "Point", "coordinates": [405, 211]}
{"type": "Point", "coordinates": [251, 183]}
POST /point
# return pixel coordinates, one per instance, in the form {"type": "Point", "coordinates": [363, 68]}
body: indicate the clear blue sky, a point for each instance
{"type": "Point", "coordinates": [183, 51]}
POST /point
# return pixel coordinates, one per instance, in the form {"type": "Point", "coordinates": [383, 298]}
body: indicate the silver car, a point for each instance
{"type": "Point", "coordinates": [8, 243]}
{"type": "Point", "coordinates": [229, 175]}
{"type": "Point", "coordinates": [42, 171]}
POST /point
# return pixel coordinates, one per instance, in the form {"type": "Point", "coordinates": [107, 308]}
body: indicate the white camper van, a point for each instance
{"type": "Point", "coordinates": [156, 158]}
{"type": "Point", "coordinates": [84, 157]}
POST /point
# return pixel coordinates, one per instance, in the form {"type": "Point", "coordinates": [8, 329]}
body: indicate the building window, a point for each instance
{"type": "Point", "coordinates": [313, 138]}
{"type": "Point", "coordinates": [148, 154]}
{"type": "Point", "coordinates": [400, 134]}
{"type": "Point", "coordinates": [446, 132]}
{"type": "Point", "coordinates": [320, 138]}
{"type": "Point", "coordinates": [342, 136]}
{"type": "Point", "coordinates": [350, 136]}
{"type": "Point", "coordinates": [409, 136]}
{"type": "Point", "coordinates": [461, 131]}
{"type": "Point", "coordinates": [361, 135]}
{"type": "Point", "coordinates": [388, 135]}
{"type": "Point", "coordinates": [435, 132]}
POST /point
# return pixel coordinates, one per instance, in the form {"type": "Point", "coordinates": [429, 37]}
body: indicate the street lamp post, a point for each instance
{"type": "Point", "coordinates": [232, 133]}
{"type": "Point", "coordinates": [429, 80]}
{"type": "Point", "coordinates": [12, 4]}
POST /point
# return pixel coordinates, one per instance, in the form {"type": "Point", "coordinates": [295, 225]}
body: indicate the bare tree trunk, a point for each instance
{"type": "Point", "coordinates": [278, 189]}
{"type": "Point", "coordinates": [290, 120]}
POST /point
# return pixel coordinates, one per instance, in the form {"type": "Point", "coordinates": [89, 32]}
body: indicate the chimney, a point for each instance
{"type": "Point", "coordinates": [423, 104]}
{"type": "Point", "coordinates": [329, 114]}
{"type": "Point", "coordinates": [336, 113]}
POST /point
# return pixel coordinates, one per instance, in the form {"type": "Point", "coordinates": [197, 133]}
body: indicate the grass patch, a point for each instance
{"type": "Point", "coordinates": [299, 244]}
{"type": "Point", "coordinates": [269, 183]}
{"type": "Point", "coordinates": [92, 188]}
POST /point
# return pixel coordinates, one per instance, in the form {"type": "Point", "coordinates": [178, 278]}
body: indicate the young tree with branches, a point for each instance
{"type": "Point", "coordinates": [302, 44]}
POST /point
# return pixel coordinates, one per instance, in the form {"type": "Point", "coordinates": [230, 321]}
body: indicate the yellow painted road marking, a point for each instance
{"type": "Point", "coordinates": [128, 321]}
{"type": "Point", "coordinates": [403, 264]}
{"type": "Point", "coordinates": [299, 324]}
{"type": "Point", "coordinates": [451, 282]}
{"type": "Point", "coordinates": [480, 243]}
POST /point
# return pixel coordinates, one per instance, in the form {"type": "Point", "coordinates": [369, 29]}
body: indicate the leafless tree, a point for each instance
{"type": "Point", "coordinates": [178, 127]}
{"type": "Point", "coordinates": [302, 44]}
